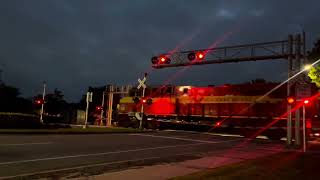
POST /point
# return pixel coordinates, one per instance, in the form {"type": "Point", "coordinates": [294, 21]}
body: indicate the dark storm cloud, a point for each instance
{"type": "Point", "coordinates": [76, 43]}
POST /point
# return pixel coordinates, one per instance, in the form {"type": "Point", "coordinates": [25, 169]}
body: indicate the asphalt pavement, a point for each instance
{"type": "Point", "coordinates": [51, 155]}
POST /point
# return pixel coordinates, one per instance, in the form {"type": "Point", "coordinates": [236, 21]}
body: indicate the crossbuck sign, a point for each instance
{"type": "Point", "coordinates": [142, 83]}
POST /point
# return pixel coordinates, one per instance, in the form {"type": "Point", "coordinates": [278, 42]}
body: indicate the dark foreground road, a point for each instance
{"type": "Point", "coordinates": [25, 155]}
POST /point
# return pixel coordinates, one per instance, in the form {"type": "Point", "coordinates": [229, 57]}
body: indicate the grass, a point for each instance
{"type": "Point", "coordinates": [290, 165]}
{"type": "Point", "coordinates": [74, 130]}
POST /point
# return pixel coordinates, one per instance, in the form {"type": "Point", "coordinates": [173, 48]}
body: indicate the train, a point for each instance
{"type": "Point", "coordinates": [241, 109]}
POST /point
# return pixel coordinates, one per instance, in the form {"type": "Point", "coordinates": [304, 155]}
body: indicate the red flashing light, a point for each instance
{"type": "Point", "coordinates": [218, 123]}
{"type": "Point", "coordinates": [290, 100]}
{"type": "Point", "coordinates": [144, 100]}
{"type": "Point", "coordinates": [98, 108]}
{"type": "Point", "coordinates": [200, 55]}
{"type": "Point", "coordinates": [163, 59]}
{"type": "Point", "coordinates": [39, 101]}
{"type": "Point", "coordinates": [306, 101]}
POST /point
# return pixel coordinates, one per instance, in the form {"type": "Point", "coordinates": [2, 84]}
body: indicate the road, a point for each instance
{"type": "Point", "coordinates": [48, 154]}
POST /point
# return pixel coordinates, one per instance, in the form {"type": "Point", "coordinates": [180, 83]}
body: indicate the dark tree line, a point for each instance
{"type": "Point", "coordinates": [314, 55]}
{"type": "Point", "coordinates": [10, 100]}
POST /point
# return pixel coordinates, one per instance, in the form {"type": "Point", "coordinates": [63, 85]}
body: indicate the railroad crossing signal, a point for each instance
{"type": "Point", "coordinates": [231, 54]}
{"type": "Point", "coordinates": [290, 100]}
{"type": "Point", "coordinates": [142, 83]}
{"type": "Point", "coordinates": [291, 49]}
{"type": "Point", "coordinates": [39, 101]}
{"type": "Point", "coordinates": [196, 56]}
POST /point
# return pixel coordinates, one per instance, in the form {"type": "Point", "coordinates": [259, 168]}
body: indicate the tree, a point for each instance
{"type": "Point", "coordinates": [314, 75]}
{"type": "Point", "coordinates": [258, 81]}
{"type": "Point", "coordinates": [314, 55]}
{"type": "Point", "coordinates": [11, 102]}
{"type": "Point", "coordinates": [54, 102]}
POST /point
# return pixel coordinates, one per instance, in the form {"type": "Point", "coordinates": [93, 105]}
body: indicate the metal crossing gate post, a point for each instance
{"type": "Point", "coordinates": [143, 85]}
{"type": "Point", "coordinates": [110, 104]}
{"type": "Point", "coordinates": [297, 65]}
{"type": "Point", "coordinates": [289, 117]}
{"type": "Point", "coordinates": [114, 90]}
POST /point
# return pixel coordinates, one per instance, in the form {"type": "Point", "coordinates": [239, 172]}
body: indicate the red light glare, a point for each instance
{"type": "Point", "coordinates": [290, 100]}
{"type": "Point", "coordinates": [200, 55]}
{"type": "Point", "coordinates": [144, 101]}
{"type": "Point", "coordinates": [162, 59]}
{"type": "Point", "coordinates": [38, 101]}
{"type": "Point", "coordinates": [218, 123]}
{"type": "Point", "coordinates": [306, 101]}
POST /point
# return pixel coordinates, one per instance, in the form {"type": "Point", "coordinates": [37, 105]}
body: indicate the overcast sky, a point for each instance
{"type": "Point", "coordinates": [76, 43]}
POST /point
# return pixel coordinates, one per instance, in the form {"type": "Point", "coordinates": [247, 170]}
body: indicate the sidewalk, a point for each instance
{"type": "Point", "coordinates": [165, 171]}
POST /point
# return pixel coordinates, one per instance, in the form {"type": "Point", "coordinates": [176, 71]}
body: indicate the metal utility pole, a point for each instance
{"type": "Point", "coordinates": [88, 100]}
{"type": "Point", "coordinates": [102, 107]}
{"type": "Point", "coordinates": [298, 65]}
{"type": "Point", "coordinates": [43, 101]}
{"type": "Point", "coordinates": [304, 128]}
{"type": "Point", "coordinates": [110, 104]}
{"type": "Point", "coordinates": [114, 90]}
{"type": "Point", "coordinates": [289, 117]}
{"type": "Point", "coordinates": [143, 85]}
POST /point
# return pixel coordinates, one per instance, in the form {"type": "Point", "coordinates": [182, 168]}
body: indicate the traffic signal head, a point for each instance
{"type": "Point", "coordinates": [39, 101]}
{"type": "Point", "coordinates": [191, 56]}
{"type": "Point", "coordinates": [149, 101]}
{"type": "Point", "coordinates": [136, 100]}
{"type": "Point", "coordinates": [154, 60]}
{"type": "Point", "coordinates": [195, 56]}
{"type": "Point", "coordinates": [98, 108]}
{"type": "Point", "coordinates": [200, 55]}
{"type": "Point", "coordinates": [164, 60]}
{"type": "Point", "coordinates": [160, 60]}
{"type": "Point", "coordinates": [290, 100]}
{"type": "Point", "coordinates": [185, 91]}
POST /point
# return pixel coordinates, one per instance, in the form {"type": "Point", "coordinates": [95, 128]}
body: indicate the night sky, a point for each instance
{"type": "Point", "coordinates": [76, 43]}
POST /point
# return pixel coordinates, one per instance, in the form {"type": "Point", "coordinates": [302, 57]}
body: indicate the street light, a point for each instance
{"type": "Point", "coordinates": [307, 67]}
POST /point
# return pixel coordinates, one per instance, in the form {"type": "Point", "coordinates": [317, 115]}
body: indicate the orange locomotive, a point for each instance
{"type": "Point", "coordinates": [237, 109]}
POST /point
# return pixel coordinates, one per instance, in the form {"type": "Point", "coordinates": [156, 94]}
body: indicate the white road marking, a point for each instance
{"type": "Point", "coordinates": [88, 166]}
{"type": "Point", "coordinates": [26, 144]}
{"type": "Point", "coordinates": [216, 134]}
{"type": "Point", "coordinates": [108, 153]}
{"type": "Point", "coordinates": [224, 135]}
{"type": "Point", "coordinates": [183, 139]}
